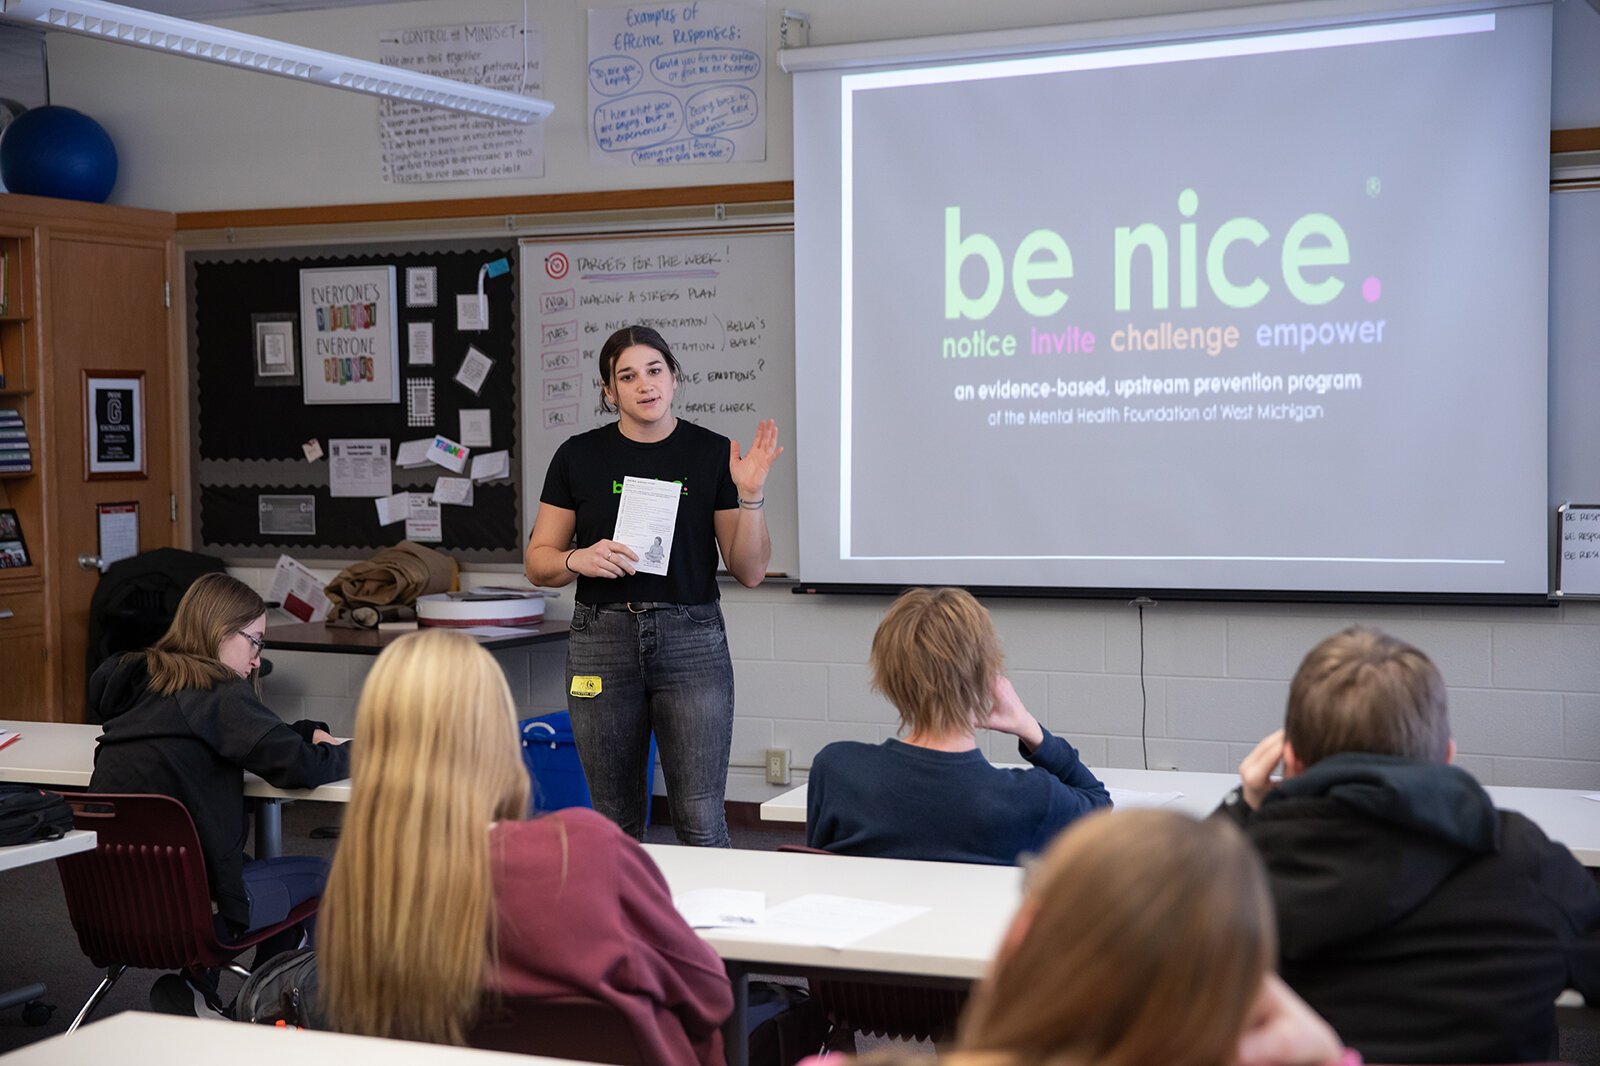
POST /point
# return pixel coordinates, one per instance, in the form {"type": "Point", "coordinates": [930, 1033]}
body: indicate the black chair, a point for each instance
{"type": "Point", "coordinates": [136, 599]}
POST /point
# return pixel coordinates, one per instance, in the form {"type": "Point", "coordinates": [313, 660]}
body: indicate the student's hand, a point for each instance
{"type": "Point", "coordinates": [322, 736]}
{"type": "Point", "coordinates": [1008, 715]}
{"type": "Point", "coordinates": [1255, 773]}
{"type": "Point", "coordinates": [1282, 1031]}
{"type": "Point", "coordinates": [603, 558]}
{"type": "Point", "coordinates": [749, 471]}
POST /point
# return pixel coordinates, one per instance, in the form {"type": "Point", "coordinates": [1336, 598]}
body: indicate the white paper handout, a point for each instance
{"type": "Point", "coordinates": [831, 921]}
{"type": "Point", "coordinates": [419, 343]}
{"type": "Point", "coordinates": [491, 466]}
{"type": "Point", "coordinates": [413, 453]}
{"type": "Point", "coordinates": [474, 368]}
{"type": "Point", "coordinates": [424, 522]}
{"type": "Point", "coordinates": [453, 490]}
{"type": "Point", "coordinates": [721, 908]}
{"type": "Point", "coordinates": [1132, 797]}
{"type": "Point", "coordinates": [359, 467]}
{"type": "Point", "coordinates": [448, 454]}
{"type": "Point", "coordinates": [392, 509]}
{"type": "Point", "coordinates": [298, 591]}
{"type": "Point", "coordinates": [645, 520]}
{"type": "Point", "coordinates": [475, 427]}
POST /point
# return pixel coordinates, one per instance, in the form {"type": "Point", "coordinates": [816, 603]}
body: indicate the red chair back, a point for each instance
{"type": "Point", "coordinates": [140, 898]}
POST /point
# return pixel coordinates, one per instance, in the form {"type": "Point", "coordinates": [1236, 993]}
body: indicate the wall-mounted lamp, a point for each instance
{"type": "Point", "coordinates": [162, 33]}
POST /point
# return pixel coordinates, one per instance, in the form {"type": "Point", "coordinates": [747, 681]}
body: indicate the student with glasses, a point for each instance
{"type": "Point", "coordinates": [184, 719]}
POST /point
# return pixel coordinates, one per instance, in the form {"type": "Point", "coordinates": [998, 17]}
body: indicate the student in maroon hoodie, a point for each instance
{"type": "Point", "coordinates": [441, 892]}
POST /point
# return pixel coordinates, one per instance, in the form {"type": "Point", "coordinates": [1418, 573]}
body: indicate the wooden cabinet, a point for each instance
{"type": "Point", "coordinates": [87, 289]}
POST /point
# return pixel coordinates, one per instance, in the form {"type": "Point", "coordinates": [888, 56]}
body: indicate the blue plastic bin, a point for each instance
{"type": "Point", "coordinates": [551, 755]}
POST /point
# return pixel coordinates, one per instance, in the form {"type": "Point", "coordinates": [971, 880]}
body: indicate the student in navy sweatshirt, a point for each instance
{"type": "Point", "coordinates": [933, 794]}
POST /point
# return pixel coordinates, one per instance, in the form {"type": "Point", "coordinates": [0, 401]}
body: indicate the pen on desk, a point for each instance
{"type": "Point", "coordinates": [736, 919]}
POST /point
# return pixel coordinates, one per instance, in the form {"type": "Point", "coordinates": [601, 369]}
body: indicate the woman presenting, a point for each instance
{"type": "Point", "coordinates": [648, 650]}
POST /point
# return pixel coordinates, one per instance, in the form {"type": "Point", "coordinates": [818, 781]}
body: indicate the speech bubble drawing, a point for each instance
{"type": "Point", "coordinates": [615, 75]}
{"type": "Point", "coordinates": [637, 121]}
{"type": "Point", "coordinates": [697, 66]}
{"type": "Point", "coordinates": [688, 150]}
{"type": "Point", "coordinates": [726, 107]}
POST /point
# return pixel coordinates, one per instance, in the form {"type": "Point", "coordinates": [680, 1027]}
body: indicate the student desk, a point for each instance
{"type": "Point", "coordinates": [319, 637]}
{"type": "Point", "coordinates": [140, 1038]}
{"type": "Point", "coordinates": [61, 754]}
{"type": "Point", "coordinates": [950, 945]}
{"type": "Point", "coordinates": [1565, 814]}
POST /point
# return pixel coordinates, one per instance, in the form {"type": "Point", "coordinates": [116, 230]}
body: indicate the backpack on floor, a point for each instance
{"type": "Point", "coordinates": [28, 814]}
{"type": "Point", "coordinates": [282, 989]}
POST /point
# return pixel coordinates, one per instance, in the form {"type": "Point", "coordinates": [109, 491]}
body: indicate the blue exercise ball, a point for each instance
{"type": "Point", "coordinates": [56, 151]}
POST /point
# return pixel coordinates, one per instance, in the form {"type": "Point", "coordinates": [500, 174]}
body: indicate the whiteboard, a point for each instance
{"type": "Point", "coordinates": [1578, 549]}
{"type": "Point", "coordinates": [724, 301]}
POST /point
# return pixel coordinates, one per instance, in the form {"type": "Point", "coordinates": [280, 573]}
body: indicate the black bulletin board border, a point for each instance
{"type": "Point", "coordinates": [246, 440]}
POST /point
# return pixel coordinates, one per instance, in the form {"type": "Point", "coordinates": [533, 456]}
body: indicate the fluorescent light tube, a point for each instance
{"type": "Point", "coordinates": [162, 33]}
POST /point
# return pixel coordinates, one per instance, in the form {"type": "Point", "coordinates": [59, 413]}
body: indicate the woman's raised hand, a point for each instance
{"type": "Point", "coordinates": [749, 470]}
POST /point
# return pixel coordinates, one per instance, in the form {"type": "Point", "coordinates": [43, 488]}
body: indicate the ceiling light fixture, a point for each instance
{"type": "Point", "coordinates": [162, 33]}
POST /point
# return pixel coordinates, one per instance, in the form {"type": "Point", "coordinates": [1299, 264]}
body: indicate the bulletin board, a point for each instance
{"type": "Point", "coordinates": [248, 431]}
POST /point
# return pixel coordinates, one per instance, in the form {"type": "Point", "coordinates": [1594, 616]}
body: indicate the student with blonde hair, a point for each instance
{"type": "Point", "coordinates": [183, 719]}
{"type": "Point", "coordinates": [1426, 925]}
{"type": "Point", "coordinates": [933, 794]}
{"type": "Point", "coordinates": [442, 894]}
{"type": "Point", "coordinates": [1143, 937]}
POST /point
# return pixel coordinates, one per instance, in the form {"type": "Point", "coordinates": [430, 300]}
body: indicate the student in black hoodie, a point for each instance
{"type": "Point", "coordinates": [183, 719]}
{"type": "Point", "coordinates": [1421, 922]}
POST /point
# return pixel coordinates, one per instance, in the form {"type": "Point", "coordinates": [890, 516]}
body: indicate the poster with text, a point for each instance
{"type": "Point", "coordinates": [421, 143]}
{"type": "Point", "coordinates": [671, 84]}
{"type": "Point", "coordinates": [348, 329]}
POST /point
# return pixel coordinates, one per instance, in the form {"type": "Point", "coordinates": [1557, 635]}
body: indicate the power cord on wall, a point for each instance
{"type": "Point", "coordinates": [1141, 602]}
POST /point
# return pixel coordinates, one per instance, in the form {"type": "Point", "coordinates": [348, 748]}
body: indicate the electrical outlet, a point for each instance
{"type": "Point", "coordinates": [777, 766]}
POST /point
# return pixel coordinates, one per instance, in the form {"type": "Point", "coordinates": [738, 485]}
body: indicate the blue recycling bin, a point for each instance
{"type": "Point", "coordinates": [551, 755]}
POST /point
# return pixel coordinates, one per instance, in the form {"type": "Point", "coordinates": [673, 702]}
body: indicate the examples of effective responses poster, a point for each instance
{"type": "Point", "coordinates": [675, 84]}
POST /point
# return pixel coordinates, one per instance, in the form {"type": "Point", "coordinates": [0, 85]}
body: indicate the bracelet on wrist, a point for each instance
{"type": "Point", "coordinates": [567, 562]}
{"type": "Point", "coordinates": [753, 505]}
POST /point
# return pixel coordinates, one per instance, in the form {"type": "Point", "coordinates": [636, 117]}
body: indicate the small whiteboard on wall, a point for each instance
{"type": "Point", "coordinates": [1578, 550]}
{"type": "Point", "coordinates": [724, 301]}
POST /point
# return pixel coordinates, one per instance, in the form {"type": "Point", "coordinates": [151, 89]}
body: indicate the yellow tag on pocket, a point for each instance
{"type": "Point", "coordinates": [586, 687]}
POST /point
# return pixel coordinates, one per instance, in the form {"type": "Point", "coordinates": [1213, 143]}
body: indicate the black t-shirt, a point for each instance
{"type": "Point", "coordinates": [586, 477]}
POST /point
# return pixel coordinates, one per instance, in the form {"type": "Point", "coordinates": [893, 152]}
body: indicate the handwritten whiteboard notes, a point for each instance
{"type": "Point", "coordinates": [725, 305]}
{"type": "Point", "coordinates": [677, 83]}
{"type": "Point", "coordinates": [421, 143]}
{"type": "Point", "coordinates": [1578, 548]}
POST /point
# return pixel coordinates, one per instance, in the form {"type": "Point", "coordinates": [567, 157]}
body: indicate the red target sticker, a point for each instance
{"type": "Point", "coordinates": [555, 265]}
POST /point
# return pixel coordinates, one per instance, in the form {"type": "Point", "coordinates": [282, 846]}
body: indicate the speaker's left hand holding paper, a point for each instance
{"type": "Point", "coordinates": [646, 518]}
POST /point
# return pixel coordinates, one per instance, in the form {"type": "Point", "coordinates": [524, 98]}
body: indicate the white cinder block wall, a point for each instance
{"type": "Point", "coordinates": [1524, 682]}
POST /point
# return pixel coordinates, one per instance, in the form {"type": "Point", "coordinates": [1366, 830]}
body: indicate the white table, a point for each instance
{"type": "Point", "coordinates": [950, 945]}
{"type": "Point", "coordinates": [74, 841]}
{"type": "Point", "coordinates": [139, 1038]}
{"type": "Point", "coordinates": [62, 754]}
{"type": "Point", "coordinates": [1565, 814]}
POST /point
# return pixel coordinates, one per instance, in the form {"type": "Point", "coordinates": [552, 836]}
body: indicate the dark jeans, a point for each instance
{"type": "Point", "coordinates": [665, 669]}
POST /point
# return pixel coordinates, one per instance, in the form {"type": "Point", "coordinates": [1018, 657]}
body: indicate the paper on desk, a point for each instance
{"type": "Point", "coordinates": [1132, 797]}
{"type": "Point", "coordinates": [721, 908]}
{"type": "Point", "coordinates": [646, 517]}
{"type": "Point", "coordinates": [831, 921]}
{"type": "Point", "coordinates": [1593, 796]}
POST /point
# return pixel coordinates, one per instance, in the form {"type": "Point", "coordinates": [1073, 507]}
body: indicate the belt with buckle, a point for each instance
{"type": "Point", "coordinates": [634, 606]}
